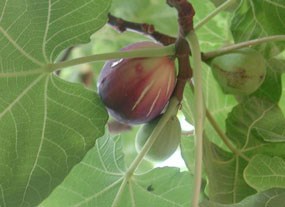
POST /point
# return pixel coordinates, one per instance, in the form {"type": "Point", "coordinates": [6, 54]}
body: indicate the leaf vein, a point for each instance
{"type": "Point", "coordinates": [21, 95]}
{"type": "Point", "coordinates": [41, 142]}
{"type": "Point", "coordinates": [19, 48]}
{"type": "Point", "coordinates": [46, 32]}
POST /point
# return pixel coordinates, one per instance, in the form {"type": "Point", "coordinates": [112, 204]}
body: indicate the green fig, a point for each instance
{"type": "Point", "coordinates": [240, 72]}
{"type": "Point", "coordinates": [165, 144]}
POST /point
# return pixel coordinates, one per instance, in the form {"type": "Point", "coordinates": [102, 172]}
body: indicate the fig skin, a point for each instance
{"type": "Point", "coordinates": [136, 90]}
{"type": "Point", "coordinates": [240, 72]}
{"type": "Point", "coordinates": [165, 144]}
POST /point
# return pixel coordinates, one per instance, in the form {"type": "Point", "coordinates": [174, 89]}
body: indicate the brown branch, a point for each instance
{"type": "Point", "coordinates": [122, 25]}
{"type": "Point", "coordinates": [185, 15]}
{"type": "Point", "coordinates": [184, 68]}
{"type": "Point", "coordinates": [185, 20]}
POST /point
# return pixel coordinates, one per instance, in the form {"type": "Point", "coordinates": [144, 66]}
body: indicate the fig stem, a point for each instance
{"type": "Point", "coordinates": [221, 51]}
{"type": "Point", "coordinates": [172, 110]}
{"type": "Point", "coordinates": [214, 13]}
{"type": "Point", "coordinates": [150, 52]}
{"type": "Point", "coordinates": [199, 114]}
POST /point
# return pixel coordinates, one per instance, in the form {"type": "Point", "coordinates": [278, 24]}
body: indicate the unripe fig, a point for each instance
{"type": "Point", "coordinates": [240, 72]}
{"type": "Point", "coordinates": [165, 144]}
{"type": "Point", "coordinates": [136, 90]}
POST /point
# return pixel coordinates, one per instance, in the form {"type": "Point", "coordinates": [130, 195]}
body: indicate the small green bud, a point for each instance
{"type": "Point", "coordinates": [165, 144]}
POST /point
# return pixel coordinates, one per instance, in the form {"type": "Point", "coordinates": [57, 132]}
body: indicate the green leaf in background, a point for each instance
{"type": "Point", "coordinates": [271, 88]}
{"type": "Point", "coordinates": [225, 170]}
{"type": "Point", "coordinates": [264, 172]}
{"type": "Point", "coordinates": [97, 180]}
{"type": "Point", "coordinates": [46, 124]}
{"type": "Point", "coordinates": [162, 187]}
{"type": "Point", "coordinates": [187, 147]}
{"type": "Point", "coordinates": [231, 8]}
{"type": "Point", "coordinates": [260, 18]}
{"type": "Point", "coordinates": [188, 104]}
{"type": "Point", "coordinates": [269, 198]}
{"type": "Point", "coordinates": [270, 127]}
{"type": "Point", "coordinates": [211, 35]}
{"type": "Point", "coordinates": [253, 121]}
{"type": "Point", "coordinates": [164, 21]}
{"type": "Point", "coordinates": [225, 175]}
{"type": "Point", "coordinates": [277, 65]}
{"type": "Point", "coordinates": [214, 33]}
{"type": "Point", "coordinates": [217, 103]}
{"type": "Point", "coordinates": [282, 99]}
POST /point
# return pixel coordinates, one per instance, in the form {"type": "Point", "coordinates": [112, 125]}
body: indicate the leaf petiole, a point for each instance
{"type": "Point", "coordinates": [214, 13]}
{"type": "Point", "coordinates": [199, 113]}
{"type": "Point", "coordinates": [221, 51]}
{"type": "Point", "coordinates": [172, 109]}
{"type": "Point", "coordinates": [150, 52]}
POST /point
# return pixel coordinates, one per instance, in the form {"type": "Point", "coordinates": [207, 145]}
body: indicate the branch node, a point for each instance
{"type": "Point", "coordinates": [186, 13]}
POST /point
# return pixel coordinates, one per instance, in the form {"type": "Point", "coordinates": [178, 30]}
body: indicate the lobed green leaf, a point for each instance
{"type": "Point", "coordinates": [260, 18]}
{"type": "Point", "coordinates": [264, 172]}
{"type": "Point", "coordinates": [46, 124]}
{"type": "Point", "coordinates": [97, 180]}
{"type": "Point", "coordinates": [269, 198]}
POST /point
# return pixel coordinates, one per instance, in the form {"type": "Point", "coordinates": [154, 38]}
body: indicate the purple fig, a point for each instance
{"type": "Point", "coordinates": [136, 90]}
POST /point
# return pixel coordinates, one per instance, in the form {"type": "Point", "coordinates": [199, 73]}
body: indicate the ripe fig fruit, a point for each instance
{"type": "Point", "coordinates": [240, 72]}
{"type": "Point", "coordinates": [165, 144]}
{"type": "Point", "coordinates": [136, 90]}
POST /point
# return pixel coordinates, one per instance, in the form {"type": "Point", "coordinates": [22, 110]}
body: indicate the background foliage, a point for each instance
{"type": "Point", "coordinates": [49, 125]}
